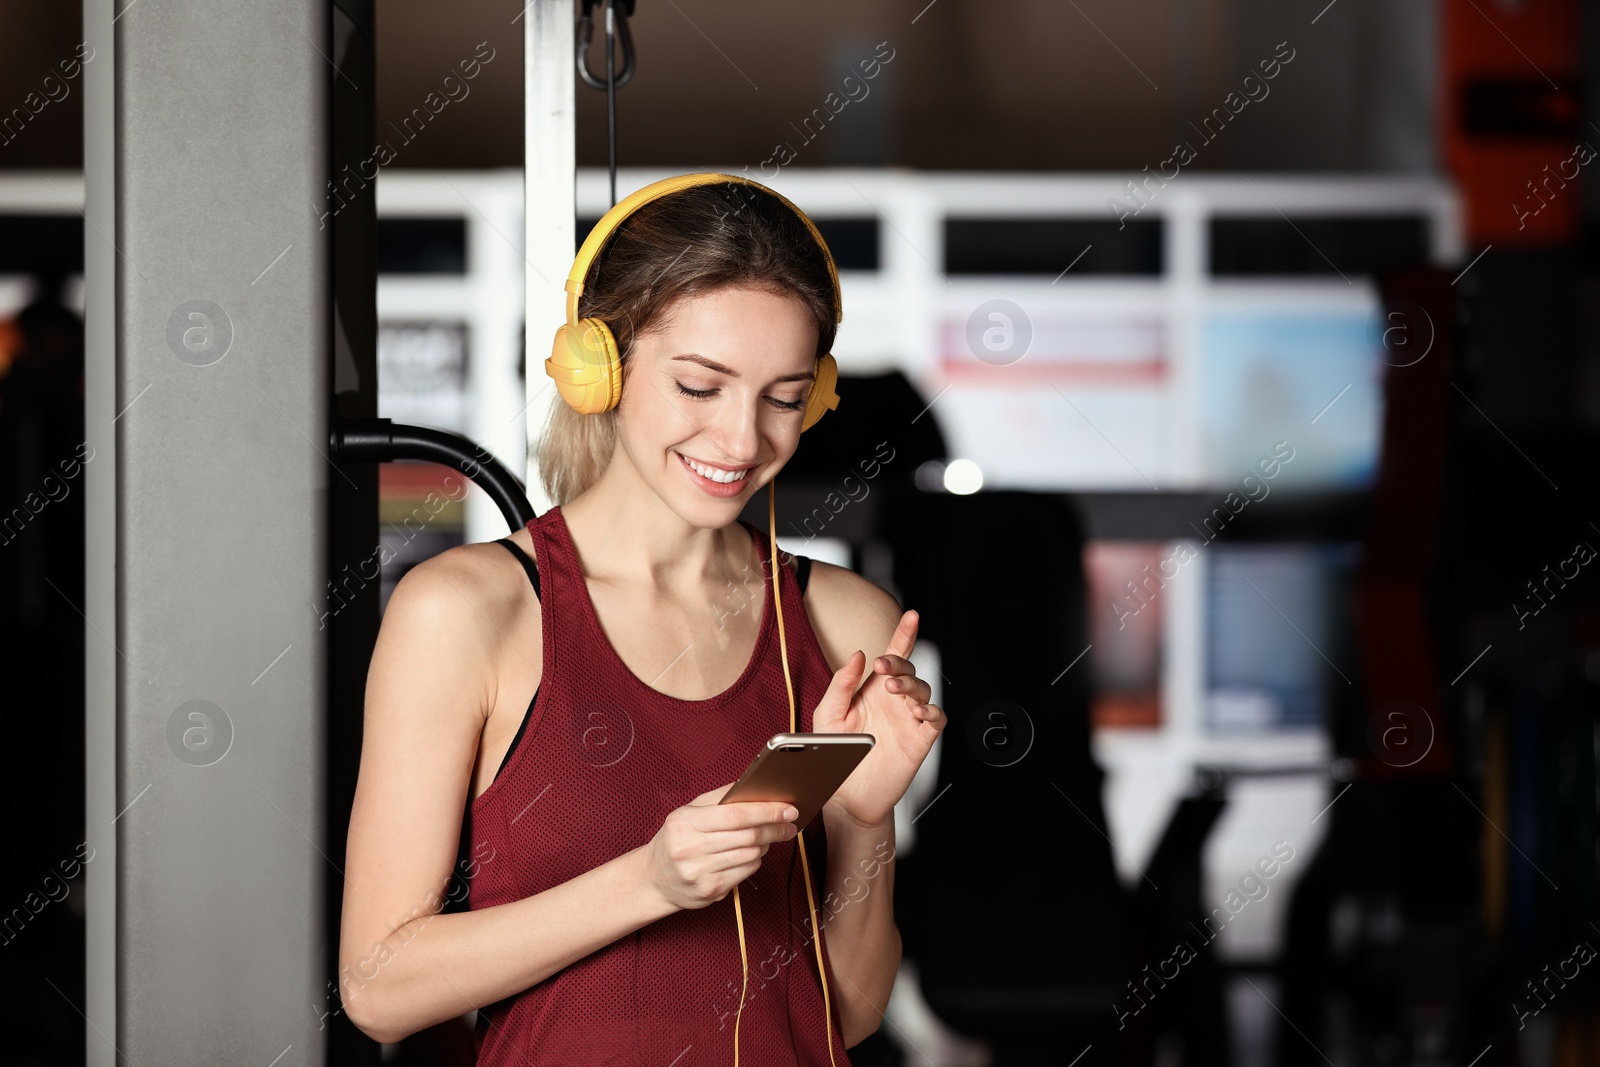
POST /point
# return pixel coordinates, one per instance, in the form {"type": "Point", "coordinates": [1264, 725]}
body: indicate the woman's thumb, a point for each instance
{"type": "Point", "coordinates": [845, 680]}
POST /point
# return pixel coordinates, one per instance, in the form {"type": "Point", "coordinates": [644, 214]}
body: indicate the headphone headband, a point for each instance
{"type": "Point", "coordinates": [585, 361]}
{"type": "Point", "coordinates": [608, 223]}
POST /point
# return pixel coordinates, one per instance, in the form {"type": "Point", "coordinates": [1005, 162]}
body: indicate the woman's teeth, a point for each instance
{"type": "Point", "coordinates": [713, 473]}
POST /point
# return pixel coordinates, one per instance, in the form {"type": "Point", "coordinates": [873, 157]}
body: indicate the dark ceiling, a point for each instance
{"type": "Point", "coordinates": [960, 84]}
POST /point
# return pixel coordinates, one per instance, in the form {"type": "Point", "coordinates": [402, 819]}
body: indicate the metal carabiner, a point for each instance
{"type": "Point", "coordinates": [586, 35]}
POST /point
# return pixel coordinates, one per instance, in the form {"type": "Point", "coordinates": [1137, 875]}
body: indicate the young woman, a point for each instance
{"type": "Point", "coordinates": [560, 711]}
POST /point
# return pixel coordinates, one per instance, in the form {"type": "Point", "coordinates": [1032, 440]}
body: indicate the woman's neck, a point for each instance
{"type": "Point", "coordinates": [627, 533]}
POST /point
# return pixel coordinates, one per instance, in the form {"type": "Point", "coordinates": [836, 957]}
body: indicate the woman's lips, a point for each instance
{"type": "Point", "coordinates": [715, 488]}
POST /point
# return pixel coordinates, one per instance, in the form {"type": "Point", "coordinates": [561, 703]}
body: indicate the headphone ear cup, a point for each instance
{"type": "Point", "coordinates": [586, 367]}
{"type": "Point", "coordinates": [822, 397]}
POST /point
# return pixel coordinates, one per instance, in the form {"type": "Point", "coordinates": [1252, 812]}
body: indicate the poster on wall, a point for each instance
{"type": "Point", "coordinates": [1311, 380]}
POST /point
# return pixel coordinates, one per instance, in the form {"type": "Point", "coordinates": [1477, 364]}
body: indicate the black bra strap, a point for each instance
{"type": "Point", "coordinates": [527, 564]}
{"type": "Point", "coordinates": [802, 569]}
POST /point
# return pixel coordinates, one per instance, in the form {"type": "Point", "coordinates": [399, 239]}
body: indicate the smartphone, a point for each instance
{"type": "Point", "coordinates": [802, 769]}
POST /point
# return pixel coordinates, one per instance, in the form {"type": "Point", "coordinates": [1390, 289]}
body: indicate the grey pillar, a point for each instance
{"type": "Point", "coordinates": [208, 394]}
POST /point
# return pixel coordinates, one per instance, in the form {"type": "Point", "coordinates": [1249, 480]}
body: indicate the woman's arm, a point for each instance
{"type": "Point", "coordinates": [847, 612]}
{"type": "Point", "coordinates": [857, 918]}
{"type": "Point", "coordinates": [404, 966]}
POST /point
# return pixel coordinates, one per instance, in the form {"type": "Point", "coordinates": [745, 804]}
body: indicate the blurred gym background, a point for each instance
{"type": "Point", "coordinates": [1259, 340]}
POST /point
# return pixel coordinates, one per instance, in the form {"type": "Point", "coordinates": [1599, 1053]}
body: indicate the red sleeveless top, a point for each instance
{"type": "Point", "coordinates": [600, 761]}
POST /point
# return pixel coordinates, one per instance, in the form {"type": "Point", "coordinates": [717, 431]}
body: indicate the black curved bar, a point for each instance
{"type": "Point", "coordinates": [384, 440]}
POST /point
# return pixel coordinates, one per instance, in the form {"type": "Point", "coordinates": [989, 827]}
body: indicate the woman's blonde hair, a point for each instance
{"type": "Point", "coordinates": [688, 242]}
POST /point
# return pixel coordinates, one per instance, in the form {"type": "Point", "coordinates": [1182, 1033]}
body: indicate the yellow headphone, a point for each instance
{"type": "Point", "coordinates": [587, 369]}
{"type": "Point", "coordinates": [584, 360]}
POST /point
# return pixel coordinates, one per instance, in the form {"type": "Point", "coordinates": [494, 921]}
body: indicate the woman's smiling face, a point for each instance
{"type": "Point", "coordinates": [720, 383]}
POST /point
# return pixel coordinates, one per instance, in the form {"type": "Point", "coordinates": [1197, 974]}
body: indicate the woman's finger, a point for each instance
{"type": "Point", "coordinates": [849, 676]}
{"type": "Point", "coordinates": [903, 683]}
{"type": "Point", "coordinates": [915, 688]}
{"type": "Point", "coordinates": [905, 635]}
{"type": "Point", "coordinates": [845, 680]}
{"type": "Point", "coordinates": [891, 665]}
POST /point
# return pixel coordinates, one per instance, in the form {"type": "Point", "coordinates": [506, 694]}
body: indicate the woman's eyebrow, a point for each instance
{"type": "Point", "coordinates": [711, 364]}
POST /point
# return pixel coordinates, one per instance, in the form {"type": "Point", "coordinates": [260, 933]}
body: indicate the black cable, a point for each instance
{"type": "Point", "coordinates": [611, 93]}
{"type": "Point", "coordinates": [616, 30]}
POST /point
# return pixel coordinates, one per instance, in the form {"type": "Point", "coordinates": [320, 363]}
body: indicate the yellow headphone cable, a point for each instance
{"type": "Point", "coordinates": [805, 862]}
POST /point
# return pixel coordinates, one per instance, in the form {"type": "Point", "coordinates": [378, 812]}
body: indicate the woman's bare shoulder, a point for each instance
{"type": "Point", "coordinates": [848, 612]}
{"type": "Point", "coordinates": [476, 592]}
{"type": "Point", "coordinates": [479, 567]}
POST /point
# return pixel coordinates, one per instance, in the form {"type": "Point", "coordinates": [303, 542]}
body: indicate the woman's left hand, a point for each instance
{"type": "Point", "coordinates": [892, 706]}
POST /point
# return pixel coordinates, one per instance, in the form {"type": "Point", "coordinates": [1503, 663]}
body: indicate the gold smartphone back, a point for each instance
{"type": "Point", "coordinates": [802, 769]}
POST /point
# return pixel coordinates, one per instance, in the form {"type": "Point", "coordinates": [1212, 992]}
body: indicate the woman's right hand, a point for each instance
{"type": "Point", "coordinates": [704, 848]}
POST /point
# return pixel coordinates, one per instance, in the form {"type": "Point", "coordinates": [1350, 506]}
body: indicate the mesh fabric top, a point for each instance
{"type": "Point", "coordinates": [601, 761]}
